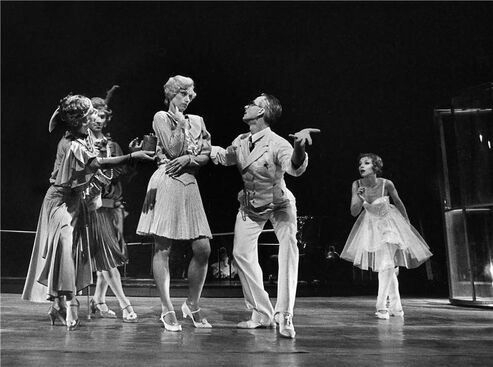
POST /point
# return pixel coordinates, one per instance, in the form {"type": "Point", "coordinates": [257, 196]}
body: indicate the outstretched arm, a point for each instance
{"type": "Point", "coordinates": [225, 157]}
{"type": "Point", "coordinates": [142, 155]}
{"type": "Point", "coordinates": [300, 139]}
{"type": "Point", "coordinates": [357, 199]}
{"type": "Point", "coordinates": [396, 199]}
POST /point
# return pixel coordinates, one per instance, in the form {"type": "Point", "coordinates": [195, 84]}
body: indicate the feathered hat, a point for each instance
{"type": "Point", "coordinates": [102, 104]}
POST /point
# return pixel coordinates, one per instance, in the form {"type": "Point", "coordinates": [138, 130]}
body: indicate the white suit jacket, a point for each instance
{"type": "Point", "coordinates": [262, 169]}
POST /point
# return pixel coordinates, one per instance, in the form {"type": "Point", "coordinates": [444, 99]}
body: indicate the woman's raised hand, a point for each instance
{"type": "Point", "coordinates": [135, 145]}
{"type": "Point", "coordinates": [303, 136]}
{"type": "Point", "coordinates": [176, 114]}
{"type": "Point", "coordinates": [361, 192]}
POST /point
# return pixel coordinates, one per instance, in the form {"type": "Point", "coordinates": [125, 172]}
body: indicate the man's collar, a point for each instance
{"type": "Point", "coordinates": [257, 136]}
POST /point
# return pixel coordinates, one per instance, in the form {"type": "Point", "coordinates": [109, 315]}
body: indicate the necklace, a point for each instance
{"type": "Point", "coordinates": [85, 144]}
{"type": "Point", "coordinates": [108, 155]}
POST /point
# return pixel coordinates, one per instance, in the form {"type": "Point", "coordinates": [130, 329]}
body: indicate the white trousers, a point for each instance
{"type": "Point", "coordinates": [388, 286]}
{"type": "Point", "coordinates": [245, 252]}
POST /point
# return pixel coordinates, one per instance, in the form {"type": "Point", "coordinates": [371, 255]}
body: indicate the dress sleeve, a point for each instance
{"type": "Point", "coordinates": [170, 136]}
{"type": "Point", "coordinates": [116, 151]}
{"type": "Point", "coordinates": [76, 168]}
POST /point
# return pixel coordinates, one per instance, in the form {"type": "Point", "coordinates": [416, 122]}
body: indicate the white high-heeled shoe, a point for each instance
{"type": "Point", "coordinates": [129, 316]}
{"type": "Point", "coordinates": [102, 309]}
{"type": "Point", "coordinates": [203, 323]}
{"type": "Point", "coordinates": [169, 327]}
{"type": "Point", "coordinates": [286, 327]}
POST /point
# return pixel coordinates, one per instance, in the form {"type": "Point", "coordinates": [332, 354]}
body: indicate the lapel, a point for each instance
{"type": "Point", "coordinates": [261, 146]}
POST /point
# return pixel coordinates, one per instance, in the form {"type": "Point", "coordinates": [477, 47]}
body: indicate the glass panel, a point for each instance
{"type": "Point", "coordinates": [474, 154]}
{"type": "Point", "coordinates": [451, 164]}
{"type": "Point", "coordinates": [466, 138]}
{"type": "Point", "coordinates": [460, 278]}
{"type": "Point", "coordinates": [480, 254]}
{"type": "Point", "coordinates": [480, 232]}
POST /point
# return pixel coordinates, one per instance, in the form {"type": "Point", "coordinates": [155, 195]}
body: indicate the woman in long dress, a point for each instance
{"type": "Point", "coordinates": [173, 212]}
{"type": "Point", "coordinates": [60, 264]}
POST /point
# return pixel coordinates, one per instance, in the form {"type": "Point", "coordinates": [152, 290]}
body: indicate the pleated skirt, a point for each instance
{"type": "Point", "coordinates": [108, 248]}
{"type": "Point", "coordinates": [176, 210]}
{"type": "Point", "coordinates": [60, 262]}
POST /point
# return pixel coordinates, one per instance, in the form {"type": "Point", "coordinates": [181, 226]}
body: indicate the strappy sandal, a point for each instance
{"type": "Point", "coordinates": [130, 316]}
{"type": "Point", "coordinates": [57, 314]}
{"type": "Point", "coordinates": [170, 327]}
{"type": "Point", "coordinates": [97, 309]}
{"type": "Point", "coordinates": [74, 324]}
{"type": "Point", "coordinates": [203, 323]}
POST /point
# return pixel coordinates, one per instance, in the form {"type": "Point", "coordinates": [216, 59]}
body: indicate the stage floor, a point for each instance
{"type": "Point", "coordinates": [335, 331]}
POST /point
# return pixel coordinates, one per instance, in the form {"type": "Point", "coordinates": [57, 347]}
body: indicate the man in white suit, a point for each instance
{"type": "Point", "coordinates": [262, 158]}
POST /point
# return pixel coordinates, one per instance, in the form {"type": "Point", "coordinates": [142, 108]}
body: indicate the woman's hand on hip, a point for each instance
{"type": "Point", "coordinates": [176, 166]}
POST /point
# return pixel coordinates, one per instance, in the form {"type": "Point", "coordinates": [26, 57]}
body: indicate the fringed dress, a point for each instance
{"type": "Point", "coordinates": [381, 238]}
{"type": "Point", "coordinates": [61, 259]}
{"type": "Point", "coordinates": [173, 206]}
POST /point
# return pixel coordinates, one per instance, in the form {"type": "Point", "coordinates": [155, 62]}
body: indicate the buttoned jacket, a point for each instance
{"type": "Point", "coordinates": [262, 169]}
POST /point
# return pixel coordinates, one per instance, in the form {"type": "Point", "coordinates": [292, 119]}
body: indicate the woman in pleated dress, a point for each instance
{"type": "Point", "coordinates": [173, 212]}
{"type": "Point", "coordinates": [382, 238]}
{"type": "Point", "coordinates": [108, 248]}
{"type": "Point", "coordinates": [60, 263]}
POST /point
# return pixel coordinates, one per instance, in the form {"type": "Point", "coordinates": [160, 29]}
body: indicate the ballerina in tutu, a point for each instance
{"type": "Point", "coordinates": [382, 237]}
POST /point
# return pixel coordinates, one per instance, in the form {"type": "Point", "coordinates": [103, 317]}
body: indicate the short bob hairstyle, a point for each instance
{"type": "Point", "coordinates": [177, 84]}
{"type": "Point", "coordinates": [375, 160]}
{"type": "Point", "coordinates": [272, 107]}
{"type": "Point", "coordinates": [101, 106]}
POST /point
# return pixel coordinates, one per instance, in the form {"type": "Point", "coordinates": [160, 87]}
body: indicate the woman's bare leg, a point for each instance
{"type": "Point", "coordinates": [160, 269]}
{"type": "Point", "coordinates": [197, 271]}
{"type": "Point", "coordinates": [101, 288]}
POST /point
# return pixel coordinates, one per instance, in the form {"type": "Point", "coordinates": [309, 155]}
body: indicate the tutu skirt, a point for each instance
{"type": "Point", "coordinates": [385, 239]}
{"type": "Point", "coordinates": [173, 209]}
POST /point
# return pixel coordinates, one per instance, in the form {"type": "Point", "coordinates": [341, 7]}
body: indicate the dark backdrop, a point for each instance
{"type": "Point", "coordinates": [367, 74]}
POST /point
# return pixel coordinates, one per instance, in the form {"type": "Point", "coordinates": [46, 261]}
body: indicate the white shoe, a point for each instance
{"type": "Point", "coordinates": [203, 323]}
{"type": "Point", "coordinates": [175, 326]}
{"type": "Point", "coordinates": [382, 314]}
{"type": "Point", "coordinates": [250, 324]}
{"type": "Point", "coordinates": [397, 313]}
{"type": "Point", "coordinates": [286, 327]}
